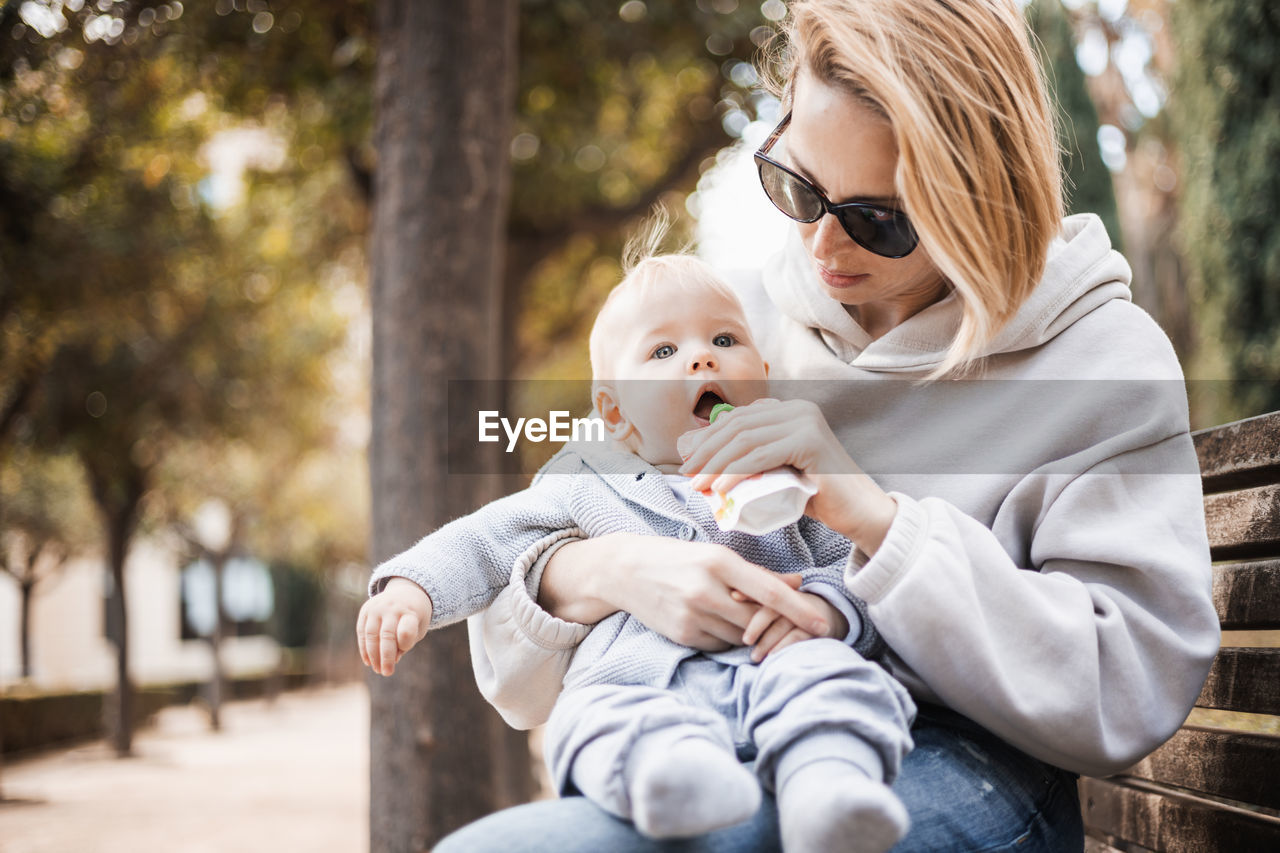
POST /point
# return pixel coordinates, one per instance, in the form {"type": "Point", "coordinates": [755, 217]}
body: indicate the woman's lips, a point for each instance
{"type": "Point", "coordinates": [840, 281]}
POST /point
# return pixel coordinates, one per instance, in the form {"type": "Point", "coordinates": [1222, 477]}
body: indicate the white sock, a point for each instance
{"type": "Point", "coordinates": [833, 805]}
{"type": "Point", "coordinates": [688, 789]}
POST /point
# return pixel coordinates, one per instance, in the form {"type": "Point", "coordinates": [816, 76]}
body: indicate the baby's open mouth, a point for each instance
{"type": "Point", "coordinates": [706, 402]}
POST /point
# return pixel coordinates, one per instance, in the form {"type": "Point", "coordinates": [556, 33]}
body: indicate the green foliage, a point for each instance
{"type": "Point", "coordinates": [1227, 96]}
{"type": "Point", "coordinates": [185, 344]}
{"type": "Point", "coordinates": [606, 105]}
{"type": "Point", "coordinates": [1087, 180]}
{"type": "Point", "coordinates": [148, 318]}
{"type": "Point", "coordinates": [45, 510]}
{"type": "Point", "coordinates": [614, 113]}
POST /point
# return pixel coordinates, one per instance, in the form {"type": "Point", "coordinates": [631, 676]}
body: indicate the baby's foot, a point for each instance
{"type": "Point", "coordinates": [690, 789]}
{"type": "Point", "coordinates": [833, 805]}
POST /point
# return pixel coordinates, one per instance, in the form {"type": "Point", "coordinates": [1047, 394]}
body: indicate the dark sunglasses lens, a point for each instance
{"type": "Point", "coordinates": [884, 232]}
{"type": "Point", "coordinates": [788, 193]}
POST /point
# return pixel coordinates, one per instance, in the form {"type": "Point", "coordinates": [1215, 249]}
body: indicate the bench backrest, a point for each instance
{"type": "Point", "coordinates": [1215, 786]}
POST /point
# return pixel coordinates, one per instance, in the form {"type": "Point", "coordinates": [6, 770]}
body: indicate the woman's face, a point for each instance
{"type": "Point", "coordinates": [848, 152]}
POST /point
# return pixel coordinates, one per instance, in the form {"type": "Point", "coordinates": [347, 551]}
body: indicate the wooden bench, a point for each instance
{"type": "Point", "coordinates": [1215, 786]}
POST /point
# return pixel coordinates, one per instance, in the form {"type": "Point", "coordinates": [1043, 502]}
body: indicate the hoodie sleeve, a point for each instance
{"type": "Point", "coordinates": [519, 652]}
{"type": "Point", "coordinates": [830, 554]}
{"type": "Point", "coordinates": [1089, 651]}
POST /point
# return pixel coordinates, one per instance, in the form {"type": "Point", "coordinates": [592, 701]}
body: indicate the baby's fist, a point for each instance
{"type": "Point", "coordinates": [391, 623]}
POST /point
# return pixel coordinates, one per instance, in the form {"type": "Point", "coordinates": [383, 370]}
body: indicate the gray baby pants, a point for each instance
{"type": "Point", "coordinates": [816, 699]}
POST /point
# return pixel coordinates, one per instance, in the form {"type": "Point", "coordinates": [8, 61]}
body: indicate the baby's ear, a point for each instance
{"type": "Point", "coordinates": [606, 404]}
{"type": "Point", "coordinates": [766, 370]}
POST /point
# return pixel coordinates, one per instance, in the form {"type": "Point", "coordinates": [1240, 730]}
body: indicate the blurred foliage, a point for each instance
{"type": "Point", "coordinates": [619, 107]}
{"type": "Point", "coordinates": [1087, 182]}
{"type": "Point", "coordinates": [43, 500]}
{"type": "Point", "coordinates": [46, 516]}
{"type": "Point", "coordinates": [181, 253]}
{"type": "Point", "coordinates": [1228, 123]}
{"type": "Point", "coordinates": [205, 318]}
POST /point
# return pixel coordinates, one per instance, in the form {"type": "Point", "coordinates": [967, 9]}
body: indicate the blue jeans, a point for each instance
{"type": "Point", "coordinates": [965, 789]}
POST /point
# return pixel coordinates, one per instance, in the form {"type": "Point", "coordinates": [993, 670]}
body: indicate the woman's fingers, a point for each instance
{"type": "Point", "coordinates": [734, 468]}
{"type": "Point", "coordinates": [771, 591]}
{"type": "Point", "coordinates": [742, 450]}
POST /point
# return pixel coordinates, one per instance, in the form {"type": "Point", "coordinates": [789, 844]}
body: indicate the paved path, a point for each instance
{"type": "Point", "coordinates": [292, 776]}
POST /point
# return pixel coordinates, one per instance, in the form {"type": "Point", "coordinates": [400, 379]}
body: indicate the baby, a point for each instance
{"type": "Point", "coordinates": [650, 730]}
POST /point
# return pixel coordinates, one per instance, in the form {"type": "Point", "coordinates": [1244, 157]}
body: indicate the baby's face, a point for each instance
{"type": "Point", "coordinates": [673, 358]}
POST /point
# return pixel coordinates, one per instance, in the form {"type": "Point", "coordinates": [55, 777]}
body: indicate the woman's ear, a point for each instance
{"type": "Point", "coordinates": [606, 404]}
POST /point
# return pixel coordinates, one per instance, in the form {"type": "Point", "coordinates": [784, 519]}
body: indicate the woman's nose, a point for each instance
{"type": "Point", "coordinates": [829, 237]}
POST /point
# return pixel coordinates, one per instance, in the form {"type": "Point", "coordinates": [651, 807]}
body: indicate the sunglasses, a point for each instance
{"type": "Point", "coordinates": [880, 230]}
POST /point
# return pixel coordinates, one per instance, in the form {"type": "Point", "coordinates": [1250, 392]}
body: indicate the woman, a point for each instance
{"type": "Point", "coordinates": [1048, 604]}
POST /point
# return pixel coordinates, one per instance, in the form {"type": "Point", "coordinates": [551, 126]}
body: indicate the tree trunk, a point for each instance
{"type": "Point", "coordinates": [27, 588]}
{"type": "Point", "coordinates": [217, 680]}
{"type": "Point", "coordinates": [119, 710]}
{"type": "Point", "coordinates": [445, 85]}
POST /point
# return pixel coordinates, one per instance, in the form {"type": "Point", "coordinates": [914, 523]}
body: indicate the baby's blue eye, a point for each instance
{"type": "Point", "coordinates": [664, 351]}
{"type": "Point", "coordinates": [722, 341]}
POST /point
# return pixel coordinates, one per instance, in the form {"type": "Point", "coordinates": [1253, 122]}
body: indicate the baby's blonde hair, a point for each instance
{"type": "Point", "coordinates": [646, 270]}
{"type": "Point", "coordinates": [978, 167]}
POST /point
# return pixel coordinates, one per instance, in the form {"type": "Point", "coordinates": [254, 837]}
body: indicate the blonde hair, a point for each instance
{"type": "Point", "coordinates": [978, 160]}
{"type": "Point", "coordinates": [647, 271]}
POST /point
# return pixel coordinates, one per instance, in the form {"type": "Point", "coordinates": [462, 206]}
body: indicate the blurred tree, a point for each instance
{"type": "Point", "coordinates": [201, 318]}
{"type": "Point", "coordinates": [1227, 92]}
{"type": "Point", "coordinates": [445, 81]}
{"type": "Point", "coordinates": [45, 519]}
{"type": "Point", "coordinates": [1087, 179]}
{"type": "Point", "coordinates": [629, 116]}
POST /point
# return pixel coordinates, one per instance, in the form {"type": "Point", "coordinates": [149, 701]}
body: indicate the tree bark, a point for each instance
{"type": "Point", "coordinates": [117, 486]}
{"type": "Point", "coordinates": [445, 87]}
{"type": "Point", "coordinates": [28, 587]}
{"type": "Point", "coordinates": [119, 710]}
{"type": "Point", "coordinates": [217, 679]}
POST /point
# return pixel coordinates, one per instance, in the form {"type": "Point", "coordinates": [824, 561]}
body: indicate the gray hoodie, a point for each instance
{"type": "Point", "coordinates": [1047, 573]}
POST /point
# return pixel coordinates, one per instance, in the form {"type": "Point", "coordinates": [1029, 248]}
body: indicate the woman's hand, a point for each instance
{"type": "Point", "coordinates": [683, 590]}
{"type": "Point", "coordinates": [770, 433]}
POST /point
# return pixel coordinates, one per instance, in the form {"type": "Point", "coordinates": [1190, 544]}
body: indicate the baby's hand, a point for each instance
{"type": "Point", "coordinates": [391, 623]}
{"type": "Point", "coordinates": [769, 632]}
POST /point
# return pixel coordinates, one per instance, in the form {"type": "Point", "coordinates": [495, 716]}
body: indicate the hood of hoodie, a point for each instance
{"type": "Point", "coordinates": [1081, 273]}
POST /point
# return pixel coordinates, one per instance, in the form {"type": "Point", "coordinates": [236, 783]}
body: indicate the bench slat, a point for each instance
{"type": "Point", "coordinates": [1122, 811]}
{"type": "Point", "coordinates": [1244, 524]}
{"type": "Point", "coordinates": [1240, 454]}
{"type": "Point", "coordinates": [1235, 765]}
{"type": "Point", "coordinates": [1243, 680]}
{"type": "Point", "coordinates": [1247, 595]}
